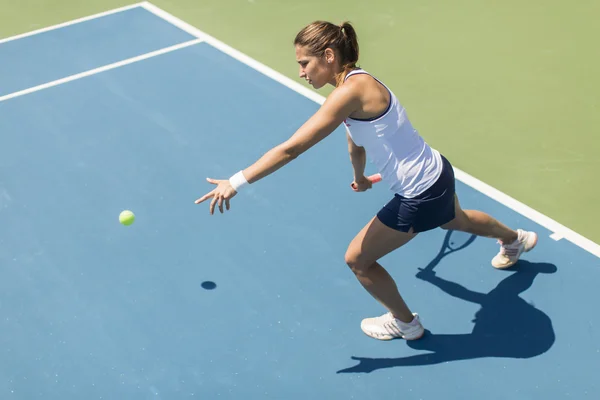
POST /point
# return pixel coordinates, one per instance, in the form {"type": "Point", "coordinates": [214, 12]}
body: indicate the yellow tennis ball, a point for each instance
{"type": "Point", "coordinates": [126, 217]}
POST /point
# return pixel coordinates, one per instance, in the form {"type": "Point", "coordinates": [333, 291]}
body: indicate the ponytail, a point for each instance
{"type": "Point", "coordinates": [349, 48]}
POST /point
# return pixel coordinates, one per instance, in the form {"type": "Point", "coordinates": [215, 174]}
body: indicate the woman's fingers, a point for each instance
{"type": "Point", "coordinates": [205, 197]}
{"type": "Point", "coordinates": [220, 196]}
{"type": "Point", "coordinates": [212, 204]}
{"type": "Point", "coordinates": [220, 202]}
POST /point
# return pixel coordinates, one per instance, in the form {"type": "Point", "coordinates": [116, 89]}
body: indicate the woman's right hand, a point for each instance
{"type": "Point", "coordinates": [361, 184]}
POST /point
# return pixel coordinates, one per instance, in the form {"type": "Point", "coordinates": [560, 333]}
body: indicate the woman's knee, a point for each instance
{"type": "Point", "coordinates": [356, 260]}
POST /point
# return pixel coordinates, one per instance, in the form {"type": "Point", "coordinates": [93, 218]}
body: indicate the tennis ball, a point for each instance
{"type": "Point", "coordinates": [126, 217]}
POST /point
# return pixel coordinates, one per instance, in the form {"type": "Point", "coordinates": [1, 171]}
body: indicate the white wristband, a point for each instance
{"type": "Point", "coordinates": [237, 181]}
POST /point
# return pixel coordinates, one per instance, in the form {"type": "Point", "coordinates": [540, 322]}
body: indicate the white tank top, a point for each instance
{"type": "Point", "coordinates": [405, 161]}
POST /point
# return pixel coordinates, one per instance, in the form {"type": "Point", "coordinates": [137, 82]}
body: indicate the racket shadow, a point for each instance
{"type": "Point", "coordinates": [506, 326]}
{"type": "Point", "coordinates": [453, 241]}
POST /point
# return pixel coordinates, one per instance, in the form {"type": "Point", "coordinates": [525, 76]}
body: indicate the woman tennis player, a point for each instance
{"type": "Point", "coordinates": [421, 179]}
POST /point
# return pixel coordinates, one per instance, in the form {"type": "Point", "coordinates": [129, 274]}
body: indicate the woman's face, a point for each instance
{"type": "Point", "coordinates": [318, 71]}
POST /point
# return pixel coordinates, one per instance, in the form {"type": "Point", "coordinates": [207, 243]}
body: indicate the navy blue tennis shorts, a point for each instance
{"type": "Point", "coordinates": [429, 210]}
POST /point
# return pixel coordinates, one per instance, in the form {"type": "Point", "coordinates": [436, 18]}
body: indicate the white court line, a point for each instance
{"type": "Point", "coordinates": [73, 22]}
{"type": "Point", "coordinates": [556, 236]}
{"type": "Point", "coordinates": [559, 231]}
{"type": "Point", "coordinates": [100, 69]}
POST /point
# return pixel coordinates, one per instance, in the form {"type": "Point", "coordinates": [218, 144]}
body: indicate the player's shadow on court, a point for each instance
{"type": "Point", "coordinates": [505, 325]}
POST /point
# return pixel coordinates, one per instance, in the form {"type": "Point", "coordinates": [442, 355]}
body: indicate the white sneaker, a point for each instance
{"type": "Point", "coordinates": [509, 253]}
{"type": "Point", "coordinates": [386, 327]}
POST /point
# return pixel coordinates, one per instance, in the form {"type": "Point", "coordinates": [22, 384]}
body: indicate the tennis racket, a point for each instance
{"type": "Point", "coordinates": [373, 178]}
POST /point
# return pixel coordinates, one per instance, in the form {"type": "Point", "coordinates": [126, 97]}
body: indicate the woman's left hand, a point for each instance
{"type": "Point", "coordinates": [221, 194]}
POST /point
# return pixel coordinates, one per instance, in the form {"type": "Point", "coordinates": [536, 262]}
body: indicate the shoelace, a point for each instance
{"type": "Point", "coordinates": [385, 318]}
{"type": "Point", "coordinates": [510, 249]}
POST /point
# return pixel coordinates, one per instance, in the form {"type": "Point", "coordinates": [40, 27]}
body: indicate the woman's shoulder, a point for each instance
{"type": "Point", "coordinates": [357, 80]}
{"type": "Point", "coordinates": [364, 83]}
{"type": "Point", "coordinates": [360, 76]}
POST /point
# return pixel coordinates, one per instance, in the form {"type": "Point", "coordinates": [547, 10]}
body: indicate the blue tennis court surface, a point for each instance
{"type": "Point", "coordinates": [94, 310]}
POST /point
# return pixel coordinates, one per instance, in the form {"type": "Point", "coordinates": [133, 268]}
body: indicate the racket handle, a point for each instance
{"type": "Point", "coordinates": [374, 178]}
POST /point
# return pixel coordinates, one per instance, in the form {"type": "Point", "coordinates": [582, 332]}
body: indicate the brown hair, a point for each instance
{"type": "Point", "coordinates": [320, 35]}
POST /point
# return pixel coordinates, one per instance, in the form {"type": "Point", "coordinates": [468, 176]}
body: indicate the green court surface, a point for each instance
{"type": "Point", "coordinates": [508, 91]}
